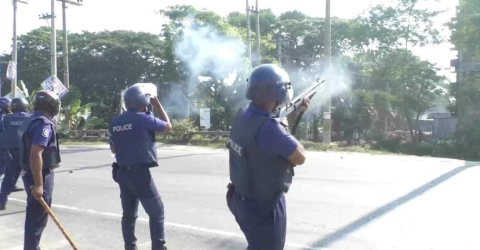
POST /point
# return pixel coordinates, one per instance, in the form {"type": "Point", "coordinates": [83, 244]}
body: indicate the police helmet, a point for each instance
{"type": "Point", "coordinates": [136, 98]}
{"type": "Point", "coordinates": [47, 100]}
{"type": "Point", "coordinates": [269, 83]}
{"type": "Point", "coordinates": [5, 104]}
{"type": "Point", "coordinates": [19, 105]}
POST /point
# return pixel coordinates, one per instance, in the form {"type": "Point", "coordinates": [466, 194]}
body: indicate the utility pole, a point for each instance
{"type": "Point", "coordinates": [53, 48]}
{"type": "Point", "coordinates": [327, 122]}
{"type": "Point", "coordinates": [14, 47]}
{"type": "Point", "coordinates": [249, 36]}
{"type": "Point", "coordinates": [66, 72]}
{"type": "Point", "coordinates": [258, 34]}
{"type": "Point", "coordinates": [279, 48]}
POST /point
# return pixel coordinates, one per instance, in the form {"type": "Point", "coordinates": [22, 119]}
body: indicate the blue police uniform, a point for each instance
{"type": "Point", "coordinates": [133, 136]}
{"type": "Point", "coordinates": [2, 151]}
{"type": "Point", "coordinates": [10, 142]}
{"type": "Point", "coordinates": [38, 129]}
{"type": "Point", "coordinates": [260, 173]}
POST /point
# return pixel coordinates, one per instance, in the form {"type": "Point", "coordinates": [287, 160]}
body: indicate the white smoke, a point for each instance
{"type": "Point", "coordinates": [341, 82]}
{"type": "Point", "coordinates": [208, 53]}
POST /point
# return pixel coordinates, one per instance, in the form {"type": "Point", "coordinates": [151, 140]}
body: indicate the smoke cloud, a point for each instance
{"type": "Point", "coordinates": [341, 82]}
{"type": "Point", "coordinates": [208, 53]}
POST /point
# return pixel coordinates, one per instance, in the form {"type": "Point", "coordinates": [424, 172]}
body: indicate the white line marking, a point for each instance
{"type": "Point", "coordinates": [188, 227]}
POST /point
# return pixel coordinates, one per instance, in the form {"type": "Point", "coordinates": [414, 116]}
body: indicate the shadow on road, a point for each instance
{"type": "Point", "coordinates": [80, 150]}
{"type": "Point", "coordinates": [12, 213]}
{"type": "Point", "coordinates": [355, 225]}
{"type": "Point", "coordinates": [110, 164]}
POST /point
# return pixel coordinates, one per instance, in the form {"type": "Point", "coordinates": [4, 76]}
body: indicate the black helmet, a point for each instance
{"type": "Point", "coordinates": [19, 105]}
{"type": "Point", "coordinates": [269, 83]}
{"type": "Point", "coordinates": [5, 105]}
{"type": "Point", "coordinates": [48, 101]}
{"type": "Point", "coordinates": [136, 97]}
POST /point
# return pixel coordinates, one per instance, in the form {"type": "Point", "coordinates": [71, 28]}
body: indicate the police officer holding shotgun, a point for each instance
{"type": "Point", "coordinates": [132, 140]}
{"type": "Point", "coordinates": [263, 155]}
{"type": "Point", "coordinates": [39, 155]}
{"type": "Point", "coordinates": [4, 110]}
{"type": "Point", "coordinates": [10, 141]}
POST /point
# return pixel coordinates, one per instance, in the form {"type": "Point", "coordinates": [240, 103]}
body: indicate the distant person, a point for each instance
{"type": "Point", "coordinates": [355, 138]}
{"type": "Point", "coordinates": [10, 142]}
{"type": "Point", "coordinates": [132, 140]}
{"type": "Point", "coordinates": [263, 155]}
{"type": "Point", "coordinates": [4, 110]}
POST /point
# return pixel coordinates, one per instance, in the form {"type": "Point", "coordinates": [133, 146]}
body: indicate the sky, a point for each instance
{"type": "Point", "coordinates": [139, 15]}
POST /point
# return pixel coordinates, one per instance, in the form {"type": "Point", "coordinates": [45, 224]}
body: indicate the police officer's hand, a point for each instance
{"type": "Point", "coordinates": [37, 192]}
{"type": "Point", "coordinates": [305, 104]}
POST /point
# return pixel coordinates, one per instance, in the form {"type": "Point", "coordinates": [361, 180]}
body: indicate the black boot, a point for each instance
{"type": "Point", "coordinates": [3, 206]}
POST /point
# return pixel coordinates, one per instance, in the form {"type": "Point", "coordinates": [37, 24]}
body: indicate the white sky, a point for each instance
{"type": "Point", "coordinates": [139, 15]}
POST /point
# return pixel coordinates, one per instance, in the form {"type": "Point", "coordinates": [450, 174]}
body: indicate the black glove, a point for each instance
{"type": "Point", "coordinates": [115, 167]}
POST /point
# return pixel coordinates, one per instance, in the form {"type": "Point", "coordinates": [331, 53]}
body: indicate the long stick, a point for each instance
{"type": "Point", "coordinates": [49, 211]}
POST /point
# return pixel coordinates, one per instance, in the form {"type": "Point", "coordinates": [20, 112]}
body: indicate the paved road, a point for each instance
{"type": "Point", "coordinates": [337, 201]}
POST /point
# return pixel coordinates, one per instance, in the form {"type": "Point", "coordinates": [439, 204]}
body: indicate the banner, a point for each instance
{"type": "Point", "coordinates": [54, 84]}
{"type": "Point", "coordinates": [205, 118]}
{"type": "Point", "coordinates": [11, 70]}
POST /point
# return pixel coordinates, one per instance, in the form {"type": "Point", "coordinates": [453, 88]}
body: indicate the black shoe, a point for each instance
{"type": "Point", "coordinates": [3, 207]}
{"type": "Point", "coordinates": [17, 189]}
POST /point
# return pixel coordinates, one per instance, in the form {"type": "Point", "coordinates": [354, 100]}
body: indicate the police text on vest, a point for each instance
{"type": "Point", "coordinates": [16, 123]}
{"type": "Point", "coordinates": [122, 128]}
{"type": "Point", "coordinates": [235, 147]}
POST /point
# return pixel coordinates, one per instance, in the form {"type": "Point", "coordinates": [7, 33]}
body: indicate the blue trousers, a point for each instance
{"type": "Point", "coordinates": [12, 173]}
{"type": "Point", "coordinates": [36, 218]}
{"type": "Point", "coordinates": [3, 152]}
{"type": "Point", "coordinates": [136, 184]}
{"type": "Point", "coordinates": [264, 224]}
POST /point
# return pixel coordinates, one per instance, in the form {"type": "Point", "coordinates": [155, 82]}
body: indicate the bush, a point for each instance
{"type": "Point", "coordinates": [181, 127]}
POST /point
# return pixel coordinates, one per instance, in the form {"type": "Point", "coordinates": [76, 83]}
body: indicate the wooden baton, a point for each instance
{"type": "Point", "coordinates": [49, 211]}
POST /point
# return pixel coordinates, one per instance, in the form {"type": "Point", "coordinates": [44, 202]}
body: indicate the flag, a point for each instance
{"type": "Point", "coordinates": [11, 70]}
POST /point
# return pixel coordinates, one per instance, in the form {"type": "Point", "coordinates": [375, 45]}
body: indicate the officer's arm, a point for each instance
{"type": "Point", "coordinates": [273, 137]}
{"type": "Point", "coordinates": [298, 156]}
{"type": "Point", "coordinates": [162, 114]}
{"type": "Point", "coordinates": [37, 164]}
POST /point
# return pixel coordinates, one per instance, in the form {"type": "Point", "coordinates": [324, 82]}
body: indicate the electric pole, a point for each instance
{"type": "Point", "coordinates": [279, 48]}
{"type": "Point", "coordinates": [53, 48]}
{"type": "Point", "coordinates": [66, 73]}
{"type": "Point", "coordinates": [327, 122]}
{"type": "Point", "coordinates": [258, 34]}
{"type": "Point", "coordinates": [249, 38]}
{"type": "Point", "coordinates": [14, 47]}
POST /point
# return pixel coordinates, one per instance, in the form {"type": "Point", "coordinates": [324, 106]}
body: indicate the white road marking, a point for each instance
{"type": "Point", "coordinates": [187, 227]}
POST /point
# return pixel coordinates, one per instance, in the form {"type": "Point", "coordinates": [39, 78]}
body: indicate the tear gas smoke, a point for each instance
{"type": "Point", "coordinates": [341, 82]}
{"type": "Point", "coordinates": [207, 54]}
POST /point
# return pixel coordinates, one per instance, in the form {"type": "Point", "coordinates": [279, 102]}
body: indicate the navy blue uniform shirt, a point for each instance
{"type": "Point", "coordinates": [39, 132]}
{"type": "Point", "coordinates": [149, 123]}
{"type": "Point", "coordinates": [272, 136]}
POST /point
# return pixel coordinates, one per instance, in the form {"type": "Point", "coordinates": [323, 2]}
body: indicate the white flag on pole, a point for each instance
{"type": "Point", "coordinates": [11, 70]}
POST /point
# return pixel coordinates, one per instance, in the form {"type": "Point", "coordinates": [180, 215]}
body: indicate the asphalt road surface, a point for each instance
{"type": "Point", "coordinates": [337, 201]}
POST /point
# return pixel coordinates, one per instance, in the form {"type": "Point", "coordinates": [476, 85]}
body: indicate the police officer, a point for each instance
{"type": "Point", "coordinates": [4, 110]}
{"type": "Point", "coordinates": [39, 156]}
{"type": "Point", "coordinates": [132, 140]}
{"type": "Point", "coordinates": [262, 156]}
{"type": "Point", "coordinates": [10, 142]}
